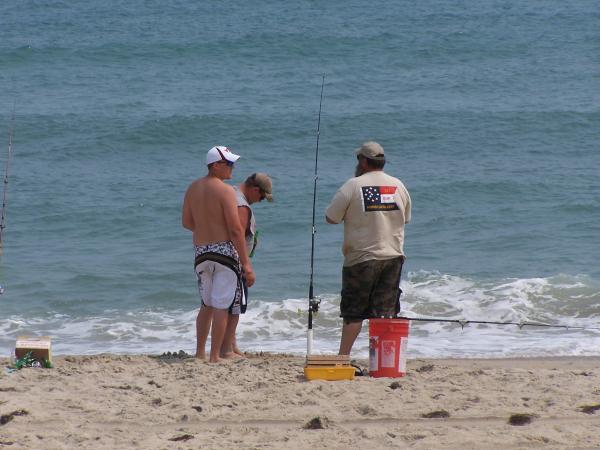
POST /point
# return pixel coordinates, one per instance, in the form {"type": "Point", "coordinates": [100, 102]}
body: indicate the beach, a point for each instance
{"type": "Point", "coordinates": [488, 113]}
{"type": "Point", "coordinates": [110, 401]}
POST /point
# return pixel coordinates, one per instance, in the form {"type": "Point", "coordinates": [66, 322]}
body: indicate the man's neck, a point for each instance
{"type": "Point", "coordinates": [370, 170]}
{"type": "Point", "coordinates": [214, 175]}
{"type": "Point", "coordinates": [242, 188]}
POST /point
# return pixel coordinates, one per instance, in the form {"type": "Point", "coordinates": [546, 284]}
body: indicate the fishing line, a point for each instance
{"type": "Point", "coordinates": [313, 303]}
{"type": "Point", "coordinates": [464, 322]}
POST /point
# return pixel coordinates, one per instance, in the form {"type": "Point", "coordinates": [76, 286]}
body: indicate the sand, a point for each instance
{"type": "Point", "coordinates": [127, 402]}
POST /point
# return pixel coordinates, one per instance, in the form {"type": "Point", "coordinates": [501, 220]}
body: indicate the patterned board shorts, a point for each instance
{"type": "Point", "coordinates": [220, 282]}
{"type": "Point", "coordinates": [371, 289]}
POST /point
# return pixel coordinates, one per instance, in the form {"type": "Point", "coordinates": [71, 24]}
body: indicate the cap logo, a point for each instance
{"type": "Point", "coordinates": [221, 154]}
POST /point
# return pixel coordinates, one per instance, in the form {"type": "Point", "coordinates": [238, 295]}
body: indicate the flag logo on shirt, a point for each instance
{"type": "Point", "coordinates": [379, 198]}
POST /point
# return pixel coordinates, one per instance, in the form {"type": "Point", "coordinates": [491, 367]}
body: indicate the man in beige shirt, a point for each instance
{"type": "Point", "coordinates": [374, 207]}
{"type": "Point", "coordinates": [210, 212]}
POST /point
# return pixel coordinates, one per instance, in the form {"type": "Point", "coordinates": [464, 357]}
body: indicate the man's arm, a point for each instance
{"type": "Point", "coordinates": [187, 220]}
{"type": "Point", "coordinates": [237, 233]}
{"type": "Point", "coordinates": [244, 213]}
{"type": "Point", "coordinates": [407, 208]}
{"type": "Point", "coordinates": [336, 210]}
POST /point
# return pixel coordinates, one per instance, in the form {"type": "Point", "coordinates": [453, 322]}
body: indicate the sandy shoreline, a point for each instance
{"type": "Point", "coordinates": [118, 401]}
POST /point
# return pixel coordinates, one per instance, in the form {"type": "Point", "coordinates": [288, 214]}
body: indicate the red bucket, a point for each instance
{"type": "Point", "coordinates": [388, 339]}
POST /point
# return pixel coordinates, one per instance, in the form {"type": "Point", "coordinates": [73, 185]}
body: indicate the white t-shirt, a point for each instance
{"type": "Point", "coordinates": [374, 208]}
{"type": "Point", "coordinates": [251, 231]}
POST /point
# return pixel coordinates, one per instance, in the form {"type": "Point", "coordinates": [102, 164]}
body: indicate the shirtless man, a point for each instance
{"type": "Point", "coordinates": [210, 212]}
{"type": "Point", "coordinates": [255, 189]}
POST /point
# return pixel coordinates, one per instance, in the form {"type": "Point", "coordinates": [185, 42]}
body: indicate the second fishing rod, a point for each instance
{"type": "Point", "coordinates": [6, 172]}
{"type": "Point", "coordinates": [5, 189]}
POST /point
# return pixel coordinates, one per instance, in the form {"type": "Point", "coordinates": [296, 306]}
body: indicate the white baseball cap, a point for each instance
{"type": "Point", "coordinates": [220, 153]}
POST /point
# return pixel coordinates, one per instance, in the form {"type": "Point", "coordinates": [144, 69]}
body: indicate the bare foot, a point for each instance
{"type": "Point", "coordinates": [230, 355]}
{"type": "Point", "coordinates": [200, 355]}
{"type": "Point", "coordinates": [238, 352]}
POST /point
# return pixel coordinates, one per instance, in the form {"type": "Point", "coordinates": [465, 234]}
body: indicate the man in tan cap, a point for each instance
{"type": "Point", "coordinates": [255, 189]}
{"type": "Point", "coordinates": [221, 262]}
{"type": "Point", "coordinates": [374, 207]}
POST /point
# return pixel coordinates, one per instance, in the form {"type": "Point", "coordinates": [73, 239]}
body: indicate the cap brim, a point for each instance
{"type": "Point", "coordinates": [359, 152]}
{"type": "Point", "coordinates": [232, 157]}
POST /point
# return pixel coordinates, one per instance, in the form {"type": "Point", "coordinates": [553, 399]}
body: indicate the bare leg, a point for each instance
{"type": "Point", "coordinates": [219, 325]}
{"type": "Point", "coordinates": [228, 347]}
{"type": "Point", "coordinates": [350, 332]}
{"type": "Point", "coordinates": [236, 349]}
{"type": "Point", "coordinates": [202, 328]}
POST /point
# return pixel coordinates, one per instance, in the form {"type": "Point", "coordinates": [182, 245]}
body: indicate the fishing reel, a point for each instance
{"type": "Point", "coordinates": [313, 304]}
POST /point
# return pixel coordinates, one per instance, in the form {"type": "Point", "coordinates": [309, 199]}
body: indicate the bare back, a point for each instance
{"type": "Point", "coordinates": [208, 203]}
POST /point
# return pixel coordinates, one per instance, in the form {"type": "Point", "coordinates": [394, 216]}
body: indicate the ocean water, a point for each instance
{"type": "Point", "coordinates": [489, 112]}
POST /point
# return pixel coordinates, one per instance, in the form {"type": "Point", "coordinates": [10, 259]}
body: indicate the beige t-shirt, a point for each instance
{"type": "Point", "coordinates": [374, 208]}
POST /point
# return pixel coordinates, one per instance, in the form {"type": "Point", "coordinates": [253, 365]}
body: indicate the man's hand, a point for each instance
{"type": "Point", "coordinates": [249, 275]}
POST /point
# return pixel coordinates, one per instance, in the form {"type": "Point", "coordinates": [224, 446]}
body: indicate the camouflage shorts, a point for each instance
{"type": "Point", "coordinates": [371, 289]}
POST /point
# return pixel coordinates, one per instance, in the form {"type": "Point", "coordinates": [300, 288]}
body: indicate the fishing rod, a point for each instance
{"type": "Point", "coordinates": [313, 303]}
{"type": "Point", "coordinates": [5, 192]}
{"type": "Point", "coordinates": [464, 322]}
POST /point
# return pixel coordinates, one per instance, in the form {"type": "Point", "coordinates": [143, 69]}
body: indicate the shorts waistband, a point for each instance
{"type": "Point", "coordinates": [224, 248]}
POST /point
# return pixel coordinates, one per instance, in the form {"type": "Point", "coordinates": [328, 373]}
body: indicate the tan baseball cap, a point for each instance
{"type": "Point", "coordinates": [371, 150]}
{"type": "Point", "coordinates": [263, 181]}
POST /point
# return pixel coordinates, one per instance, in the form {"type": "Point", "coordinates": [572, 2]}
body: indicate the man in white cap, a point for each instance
{"type": "Point", "coordinates": [374, 207]}
{"type": "Point", "coordinates": [255, 189]}
{"type": "Point", "coordinates": [222, 261]}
